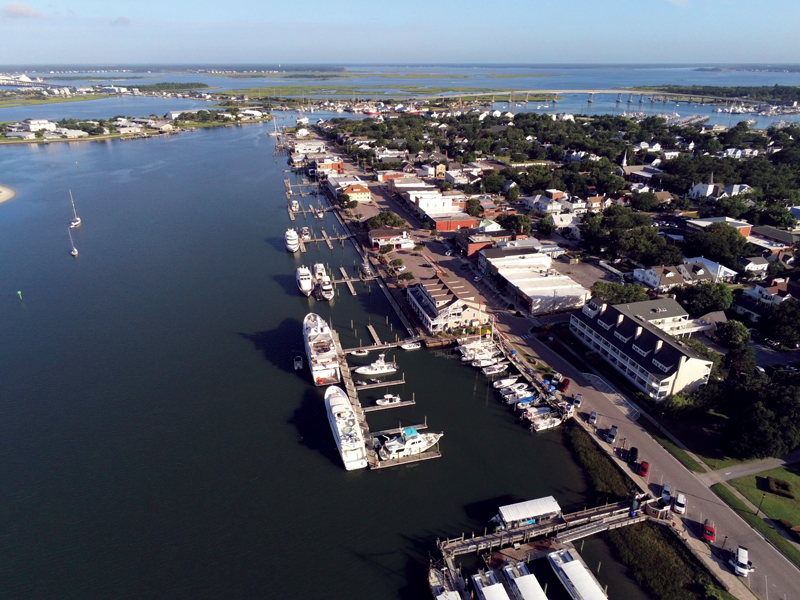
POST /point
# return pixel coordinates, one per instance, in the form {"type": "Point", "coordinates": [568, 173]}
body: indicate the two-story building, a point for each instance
{"type": "Point", "coordinates": [359, 193]}
{"type": "Point", "coordinates": [390, 236]}
{"type": "Point", "coordinates": [663, 278]}
{"type": "Point", "coordinates": [444, 304]}
{"type": "Point", "coordinates": [628, 338]}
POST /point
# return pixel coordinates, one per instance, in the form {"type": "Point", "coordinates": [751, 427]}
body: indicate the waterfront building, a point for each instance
{"type": "Point", "coordinates": [390, 236]}
{"type": "Point", "coordinates": [629, 338]}
{"type": "Point", "coordinates": [528, 512]}
{"type": "Point", "coordinates": [337, 183]}
{"type": "Point", "coordinates": [359, 193]}
{"type": "Point", "coordinates": [310, 147]}
{"type": "Point", "coordinates": [444, 305]}
{"type": "Point", "coordinates": [39, 125]}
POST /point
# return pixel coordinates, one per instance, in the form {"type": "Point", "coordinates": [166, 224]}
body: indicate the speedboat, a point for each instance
{"type": "Point", "coordinates": [379, 367]}
{"type": "Point", "coordinates": [504, 383]}
{"type": "Point", "coordinates": [346, 431]}
{"type": "Point", "coordinates": [388, 400]}
{"type": "Point", "coordinates": [361, 352]}
{"type": "Point", "coordinates": [326, 288]}
{"type": "Point", "coordinates": [298, 363]}
{"type": "Point", "coordinates": [492, 369]}
{"type": "Point", "coordinates": [411, 346]}
{"type": "Point", "coordinates": [291, 240]}
{"type": "Point", "coordinates": [408, 443]}
{"type": "Point", "coordinates": [304, 282]}
{"type": "Point", "coordinates": [485, 362]}
{"type": "Point", "coordinates": [295, 206]}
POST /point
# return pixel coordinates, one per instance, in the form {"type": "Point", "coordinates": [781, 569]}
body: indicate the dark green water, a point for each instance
{"type": "Point", "coordinates": [154, 439]}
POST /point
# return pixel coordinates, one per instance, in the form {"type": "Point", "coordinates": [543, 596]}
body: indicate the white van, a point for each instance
{"type": "Point", "coordinates": [740, 562]}
{"type": "Point", "coordinates": [680, 503]}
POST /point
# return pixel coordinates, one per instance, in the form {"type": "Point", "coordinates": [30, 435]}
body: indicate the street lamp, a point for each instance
{"type": "Point", "coordinates": [764, 495]}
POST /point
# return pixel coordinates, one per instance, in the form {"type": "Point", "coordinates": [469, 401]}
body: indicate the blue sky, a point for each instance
{"type": "Point", "coordinates": [413, 31]}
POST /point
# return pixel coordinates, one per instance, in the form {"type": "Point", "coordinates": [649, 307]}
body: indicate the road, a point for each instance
{"type": "Point", "coordinates": [775, 576]}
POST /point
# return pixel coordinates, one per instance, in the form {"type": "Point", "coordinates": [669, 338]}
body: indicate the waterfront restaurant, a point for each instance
{"type": "Point", "coordinates": [528, 513]}
{"type": "Point", "coordinates": [444, 305]}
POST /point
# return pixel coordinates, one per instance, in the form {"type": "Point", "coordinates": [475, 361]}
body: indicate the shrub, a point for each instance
{"type": "Point", "coordinates": [386, 249]}
{"type": "Point", "coordinates": [606, 478]}
{"type": "Point", "coordinates": [780, 487]}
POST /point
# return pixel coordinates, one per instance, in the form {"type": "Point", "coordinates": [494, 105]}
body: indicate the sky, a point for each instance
{"type": "Point", "coordinates": [435, 32]}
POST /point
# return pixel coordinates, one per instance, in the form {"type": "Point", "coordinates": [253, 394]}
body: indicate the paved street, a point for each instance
{"type": "Point", "coordinates": [775, 576]}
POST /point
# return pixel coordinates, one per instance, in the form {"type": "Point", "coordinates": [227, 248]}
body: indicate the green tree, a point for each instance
{"type": "Point", "coordinates": [474, 207]}
{"type": "Point", "coordinates": [741, 361]}
{"type": "Point", "coordinates": [515, 222]}
{"type": "Point", "coordinates": [706, 297]}
{"type": "Point", "coordinates": [397, 262]}
{"type": "Point", "coordinates": [513, 194]}
{"type": "Point", "coordinates": [545, 226]}
{"type": "Point", "coordinates": [644, 201]}
{"type": "Point", "coordinates": [385, 219]}
{"type": "Point", "coordinates": [616, 293]}
{"type": "Point", "coordinates": [346, 202]}
{"type": "Point", "coordinates": [719, 242]}
{"type": "Point", "coordinates": [493, 182]}
{"type": "Point", "coordinates": [784, 323]}
{"type": "Point", "coordinates": [733, 334]}
{"type": "Point", "coordinates": [445, 186]}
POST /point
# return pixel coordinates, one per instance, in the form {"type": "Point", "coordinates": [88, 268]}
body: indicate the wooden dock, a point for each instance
{"type": "Point", "coordinates": [405, 460]}
{"type": "Point", "coordinates": [302, 244]}
{"type": "Point", "coordinates": [374, 335]}
{"type": "Point", "coordinates": [375, 386]}
{"type": "Point", "coordinates": [327, 239]}
{"type": "Point", "coordinates": [347, 281]}
{"type": "Point", "coordinates": [397, 430]}
{"type": "Point", "coordinates": [377, 407]}
{"type": "Point", "coordinates": [291, 213]}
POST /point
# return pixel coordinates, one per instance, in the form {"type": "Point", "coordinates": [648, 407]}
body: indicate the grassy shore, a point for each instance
{"type": "Point", "coordinates": [52, 100]}
{"type": "Point", "coordinates": [758, 523]}
{"type": "Point", "coordinates": [362, 91]}
{"type": "Point", "coordinates": [606, 479]}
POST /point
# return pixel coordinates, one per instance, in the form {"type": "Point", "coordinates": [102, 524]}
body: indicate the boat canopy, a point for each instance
{"type": "Point", "coordinates": [409, 432]}
{"type": "Point", "coordinates": [530, 509]}
{"type": "Point", "coordinates": [582, 581]}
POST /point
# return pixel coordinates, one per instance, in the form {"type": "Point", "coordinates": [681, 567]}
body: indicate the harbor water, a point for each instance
{"type": "Point", "coordinates": [154, 437]}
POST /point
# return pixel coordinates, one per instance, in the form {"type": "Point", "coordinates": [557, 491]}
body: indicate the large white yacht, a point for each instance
{"type": "Point", "coordinates": [326, 290]}
{"type": "Point", "coordinates": [346, 430]}
{"type": "Point", "coordinates": [304, 282]}
{"type": "Point", "coordinates": [379, 367]}
{"type": "Point", "coordinates": [291, 240]}
{"type": "Point", "coordinates": [321, 351]}
{"type": "Point", "coordinates": [408, 443]}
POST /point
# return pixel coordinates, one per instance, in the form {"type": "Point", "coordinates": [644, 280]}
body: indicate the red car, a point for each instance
{"type": "Point", "coordinates": [562, 387]}
{"type": "Point", "coordinates": [708, 532]}
{"type": "Point", "coordinates": [644, 468]}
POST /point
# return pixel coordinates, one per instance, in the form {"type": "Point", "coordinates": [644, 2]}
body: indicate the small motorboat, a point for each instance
{"type": "Point", "coordinates": [298, 363]}
{"type": "Point", "coordinates": [361, 352]}
{"type": "Point", "coordinates": [411, 346]}
{"type": "Point", "coordinates": [388, 400]}
{"type": "Point", "coordinates": [504, 383]}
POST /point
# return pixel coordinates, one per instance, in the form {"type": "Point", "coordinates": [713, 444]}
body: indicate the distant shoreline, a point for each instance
{"type": "Point", "coordinates": [6, 194]}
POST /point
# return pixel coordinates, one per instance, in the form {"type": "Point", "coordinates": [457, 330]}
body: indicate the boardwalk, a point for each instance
{"type": "Point", "coordinates": [346, 280]}
{"type": "Point", "coordinates": [374, 335]}
{"type": "Point", "coordinates": [373, 386]}
{"type": "Point", "coordinates": [378, 407]}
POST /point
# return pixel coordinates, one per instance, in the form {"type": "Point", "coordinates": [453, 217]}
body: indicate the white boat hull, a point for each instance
{"type": "Point", "coordinates": [346, 430]}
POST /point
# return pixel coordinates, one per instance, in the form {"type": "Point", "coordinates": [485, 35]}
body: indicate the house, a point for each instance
{"type": "Point", "coordinates": [456, 177]}
{"type": "Point", "coordinates": [757, 265]}
{"type": "Point", "coordinates": [597, 203]}
{"type": "Point", "coordinates": [21, 135]}
{"type": "Point", "coordinates": [669, 155]}
{"type": "Point", "coordinates": [327, 165]}
{"type": "Point", "coordinates": [390, 236]}
{"type": "Point", "coordinates": [700, 224]}
{"type": "Point", "coordinates": [444, 304]}
{"type": "Point", "coordinates": [717, 272]}
{"type": "Point", "coordinates": [663, 278]}
{"type": "Point", "coordinates": [130, 129]}
{"type": "Point", "coordinates": [651, 359]}
{"type": "Point", "coordinates": [574, 205]}
{"type": "Point", "coordinates": [439, 169]}
{"type": "Point", "coordinates": [359, 193]}
{"type": "Point", "coordinates": [566, 225]}
{"type": "Point", "coordinates": [70, 133]}
{"type": "Point", "coordinates": [736, 189]}
{"type": "Point", "coordinates": [773, 294]}
{"type": "Point", "coordinates": [542, 204]}
{"type": "Point", "coordinates": [489, 225]}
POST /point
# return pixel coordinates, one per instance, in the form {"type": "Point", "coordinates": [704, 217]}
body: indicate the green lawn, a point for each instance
{"type": "Point", "coordinates": [9, 103]}
{"type": "Point", "coordinates": [777, 540]}
{"type": "Point", "coordinates": [774, 506]}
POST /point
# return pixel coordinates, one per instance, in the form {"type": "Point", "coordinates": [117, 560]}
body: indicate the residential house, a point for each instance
{"type": "Point", "coordinates": [39, 125]}
{"type": "Point", "coordinates": [574, 205]}
{"type": "Point", "coordinates": [778, 290]}
{"type": "Point", "coordinates": [596, 204]}
{"type": "Point", "coordinates": [651, 359]}
{"type": "Point", "coordinates": [717, 272]}
{"type": "Point", "coordinates": [542, 204]}
{"type": "Point", "coordinates": [439, 169]}
{"type": "Point", "coordinates": [456, 177]}
{"type": "Point", "coordinates": [756, 265]}
{"type": "Point", "coordinates": [663, 278]}
{"type": "Point", "coordinates": [567, 225]}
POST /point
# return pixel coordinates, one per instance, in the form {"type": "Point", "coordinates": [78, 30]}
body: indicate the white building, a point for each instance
{"type": "Point", "coordinates": [310, 147]}
{"type": "Point", "coordinates": [40, 125]}
{"type": "Point", "coordinates": [444, 304]}
{"type": "Point", "coordinates": [628, 338]}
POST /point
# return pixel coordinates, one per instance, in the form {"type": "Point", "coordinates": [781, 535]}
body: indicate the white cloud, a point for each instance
{"type": "Point", "coordinates": [18, 10]}
{"type": "Point", "coordinates": [121, 21]}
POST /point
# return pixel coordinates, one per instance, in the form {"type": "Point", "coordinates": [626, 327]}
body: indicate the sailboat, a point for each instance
{"type": "Point", "coordinates": [75, 222]}
{"type": "Point", "coordinates": [74, 249]}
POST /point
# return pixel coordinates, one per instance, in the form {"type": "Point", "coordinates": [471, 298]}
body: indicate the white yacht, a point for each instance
{"type": "Point", "coordinates": [326, 290]}
{"type": "Point", "coordinates": [492, 369]}
{"type": "Point", "coordinates": [487, 587]}
{"type": "Point", "coordinates": [319, 272]}
{"type": "Point", "coordinates": [346, 430]}
{"type": "Point", "coordinates": [304, 282]}
{"type": "Point", "coordinates": [408, 443]}
{"type": "Point", "coordinates": [577, 579]}
{"type": "Point", "coordinates": [504, 383]}
{"type": "Point", "coordinates": [411, 346]}
{"type": "Point", "coordinates": [321, 351]}
{"type": "Point", "coordinates": [76, 220]}
{"type": "Point", "coordinates": [388, 400]}
{"type": "Point", "coordinates": [291, 240]}
{"type": "Point", "coordinates": [295, 206]}
{"type": "Point", "coordinates": [485, 362]}
{"type": "Point", "coordinates": [524, 586]}
{"type": "Point", "coordinates": [379, 367]}
{"type": "Point", "coordinates": [305, 234]}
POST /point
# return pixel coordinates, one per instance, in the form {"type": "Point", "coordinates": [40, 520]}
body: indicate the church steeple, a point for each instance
{"type": "Point", "coordinates": [625, 159]}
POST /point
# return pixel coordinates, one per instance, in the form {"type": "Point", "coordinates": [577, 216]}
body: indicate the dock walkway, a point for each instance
{"type": "Point", "coordinates": [373, 386]}
{"type": "Point", "coordinates": [347, 281]}
{"type": "Point", "coordinates": [378, 407]}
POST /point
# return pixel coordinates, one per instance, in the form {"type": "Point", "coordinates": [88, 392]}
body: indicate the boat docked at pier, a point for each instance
{"type": "Point", "coordinates": [379, 367]}
{"type": "Point", "coordinates": [488, 587]}
{"type": "Point", "coordinates": [346, 430]}
{"type": "Point", "coordinates": [444, 583]}
{"type": "Point", "coordinates": [410, 442]}
{"type": "Point", "coordinates": [524, 585]}
{"type": "Point", "coordinates": [366, 269]}
{"type": "Point", "coordinates": [318, 272]}
{"type": "Point", "coordinates": [493, 369]}
{"type": "Point", "coordinates": [295, 206]}
{"type": "Point", "coordinates": [504, 383]}
{"type": "Point", "coordinates": [326, 291]}
{"type": "Point", "coordinates": [291, 240]}
{"type": "Point", "coordinates": [485, 362]}
{"type": "Point", "coordinates": [305, 234]}
{"type": "Point", "coordinates": [388, 400]}
{"type": "Point", "coordinates": [411, 346]}
{"type": "Point", "coordinates": [304, 281]}
{"type": "Point", "coordinates": [576, 578]}
{"type": "Point", "coordinates": [321, 351]}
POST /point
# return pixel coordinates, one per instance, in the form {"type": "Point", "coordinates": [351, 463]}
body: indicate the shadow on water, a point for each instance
{"type": "Point", "coordinates": [273, 344]}
{"type": "Point", "coordinates": [484, 510]}
{"type": "Point", "coordinates": [287, 282]}
{"type": "Point", "coordinates": [311, 421]}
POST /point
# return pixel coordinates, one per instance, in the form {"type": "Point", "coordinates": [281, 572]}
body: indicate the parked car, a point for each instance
{"type": "Point", "coordinates": [633, 455]}
{"type": "Point", "coordinates": [680, 504]}
{"type": "Point", "coordinates": [564, 385]}
{"type": "Point", "coordinates": [593, 418]}
{"type": "Point", "coordinates": [740, 562]}
{"type": "Point", "coordinates": [449, 253]}
{"type": "Point", "coordinates": [611, 436]}
{"type": "Point", "coordinates": [426, 265]}
{"type": "Point", "coordinates": [666, 493]}
{"type": "Point", "coordinates": [644, 468]}
{"type": "Point", "coordinates": [400, 269]}
{"type": "Point", "coordinates": [708, 531]}
{"type": "Point", "coordinates": [477, 278]}
{"type": "Point", "coordinates": [577, 401]}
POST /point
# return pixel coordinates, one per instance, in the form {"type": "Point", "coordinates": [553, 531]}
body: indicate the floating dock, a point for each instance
{"type": "Point", "coordinates": [378, 407]}
{"type": "Point", "coordinates": [327, 239]}
{"type": "Point", "coordinates": [374, 386]}
{"type": "Point", "coordinates": [374, 335]}
{"type": "Point", "coordinates": [346, 280]}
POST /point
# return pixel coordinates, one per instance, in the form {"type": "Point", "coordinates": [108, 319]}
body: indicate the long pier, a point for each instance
{"type": "Point", "coordinates": [374, 386]}
{"type": "Point", "coordinates": [374, 335]}
{"type": "Point", "coordinates": [346, 280]}
{"type": "Point", "coordinates": [378, 407]}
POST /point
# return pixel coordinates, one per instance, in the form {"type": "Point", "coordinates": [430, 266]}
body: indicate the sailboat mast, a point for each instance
{"type": "Point", "coordinates": [74, 212]}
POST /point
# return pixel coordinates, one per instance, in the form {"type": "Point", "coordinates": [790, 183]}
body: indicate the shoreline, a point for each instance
{"type": "Point", "coordinates": [6, 194]}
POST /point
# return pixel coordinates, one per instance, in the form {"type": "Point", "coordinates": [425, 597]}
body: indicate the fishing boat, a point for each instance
{"type": "Point", "coordinates": [408, 443]}
{"type": "Point", "coordinates": [485, 362]}
{"type": "Point", "coordinates": [542, 423]}
{"type": "Point", "coordinates": [411, 346]}
{"type": "Point", "coordinates": [346, 431]}
{"type": "Point", "coordinates": [298, 363]}
{"type": "Point", "coordinates": [388, 400]}
{"type": "Point", "coordinates": [321, 351]}
{"type": "Point", "coordinates": [504, 383]}
{"type": "Point", "coordinates": [304, 282]}
{"type": "Point", "coordinates": [326, 290]}
{"type": "Point", "coordinates": [361, 352]}
{"type": "Point", "coordinates": [305, 234]}
{"type": "Point", "coordinates": [291, 240]}
{"type": "Point", "coordinates": [76, 220]}
{"type": "Point", "coordinates": [492, 369]}
{"type": "Point", "coordinates": [74, 249]}
{"type": "Point", "coordinates": [379, 367]}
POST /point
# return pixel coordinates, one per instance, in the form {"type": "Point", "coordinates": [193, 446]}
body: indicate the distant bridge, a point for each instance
{"type": "Point", "coordinates": [12, 82]}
